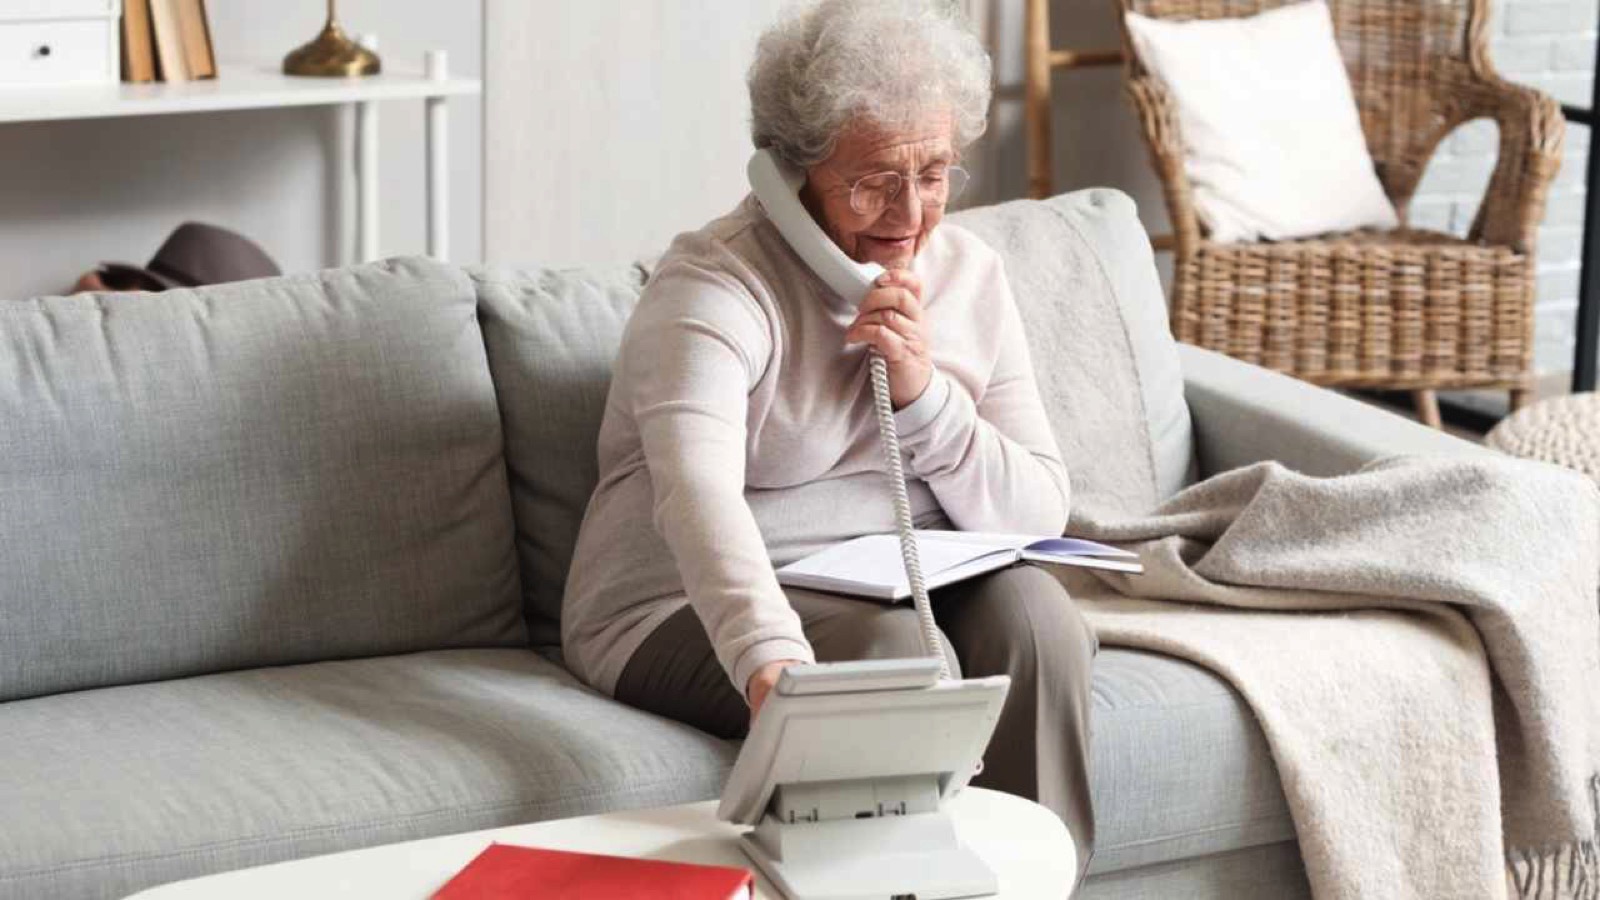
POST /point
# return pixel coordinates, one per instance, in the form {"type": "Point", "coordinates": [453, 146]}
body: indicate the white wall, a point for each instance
{"type": "Point", "coordinates": [75, 193]}
{"type": "Point", "coordinates": [612, 125]}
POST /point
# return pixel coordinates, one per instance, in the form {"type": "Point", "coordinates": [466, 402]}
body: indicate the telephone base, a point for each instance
{"type": "Point", "coordinates": [915, 857]}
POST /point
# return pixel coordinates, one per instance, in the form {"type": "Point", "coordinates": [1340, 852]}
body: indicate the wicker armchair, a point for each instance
{"type": "Point", "coordinates": [1409, 309]}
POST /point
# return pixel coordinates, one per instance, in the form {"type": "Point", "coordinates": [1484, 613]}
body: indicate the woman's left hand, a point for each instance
{"type": "Point", "coordinates": [890, 321]}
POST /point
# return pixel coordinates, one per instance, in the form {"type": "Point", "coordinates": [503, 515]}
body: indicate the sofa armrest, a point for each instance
{"type": "Point", "coordinates": [1244, 414]}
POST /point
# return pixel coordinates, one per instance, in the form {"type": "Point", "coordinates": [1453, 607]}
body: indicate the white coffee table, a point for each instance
{"type": "Point", "coordinates": [1025, 844]}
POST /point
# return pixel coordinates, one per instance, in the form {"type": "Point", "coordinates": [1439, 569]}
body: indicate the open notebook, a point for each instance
{"type": "Point", "coordinates": [871, 567]}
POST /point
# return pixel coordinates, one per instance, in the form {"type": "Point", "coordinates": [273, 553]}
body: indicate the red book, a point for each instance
{"type": "Point", "coordinates": [508, 872]}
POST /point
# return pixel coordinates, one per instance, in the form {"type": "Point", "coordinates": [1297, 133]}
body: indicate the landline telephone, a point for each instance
{"type": "Point", "coordinates": [845, 771]}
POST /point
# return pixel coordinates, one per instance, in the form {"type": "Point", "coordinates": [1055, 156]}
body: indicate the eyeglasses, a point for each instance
{"type": "Point", "coordinates": [935, 186]}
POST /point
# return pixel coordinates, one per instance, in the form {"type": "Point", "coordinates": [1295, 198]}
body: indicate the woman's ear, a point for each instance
{"type": "Point", "coordinates": [811, 194]}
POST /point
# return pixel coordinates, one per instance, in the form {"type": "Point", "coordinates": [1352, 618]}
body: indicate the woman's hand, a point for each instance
{"type": "Point", "coordinates": [762, 681]}
{"type": "Point", "coordinates": [890, 321]}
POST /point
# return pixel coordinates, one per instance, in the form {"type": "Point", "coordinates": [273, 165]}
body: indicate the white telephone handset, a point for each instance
{"type": "Point", "coordinates": [777, 185]}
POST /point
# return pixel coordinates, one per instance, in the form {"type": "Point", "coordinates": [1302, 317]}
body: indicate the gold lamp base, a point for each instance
{"type": "Point", "coordinates": [332, 55]}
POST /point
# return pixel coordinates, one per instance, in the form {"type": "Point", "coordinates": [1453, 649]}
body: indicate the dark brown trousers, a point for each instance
{"type": "Point", "coordinates": [1018, 621]}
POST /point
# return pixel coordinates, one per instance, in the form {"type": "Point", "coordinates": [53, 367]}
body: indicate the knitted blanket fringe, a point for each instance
{"type": "Point", "coordinates": [1563, 871]}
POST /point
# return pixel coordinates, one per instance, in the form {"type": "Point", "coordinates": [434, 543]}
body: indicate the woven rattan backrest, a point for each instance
{"type": "Point", "coordinates": [1396, 51]}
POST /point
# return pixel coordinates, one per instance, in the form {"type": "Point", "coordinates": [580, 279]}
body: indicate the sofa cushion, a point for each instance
{"type": "Point", "coordinates": [551, 337]}
{"type": "Point", "coordinates": [1180, 767]}
{"type": "Point", "coordinates": [1084, 277]}
{"type": "Point", "coordinates": [259, 473]}
{"type": "Point", "coordinates": [113, 790]}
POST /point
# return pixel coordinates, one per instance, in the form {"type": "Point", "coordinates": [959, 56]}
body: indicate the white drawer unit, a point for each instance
{"type": "Point", "coordinates": [45, 42]}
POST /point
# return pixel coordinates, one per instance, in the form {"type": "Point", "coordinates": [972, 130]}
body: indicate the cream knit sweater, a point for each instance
{"type": "Point", "coordinates": [739, 435]}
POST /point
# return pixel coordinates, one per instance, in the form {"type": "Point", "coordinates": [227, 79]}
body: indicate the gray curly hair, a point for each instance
{"type": "Point", "coordinates": [887, 61]}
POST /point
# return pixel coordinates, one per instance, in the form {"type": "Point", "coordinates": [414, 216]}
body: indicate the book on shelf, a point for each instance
{"type": "Point", "coordinates": [167, 40]}
{"type": "Point", "coordinates": [198, 57]}
{"type": "Point", "coordinates": [138, 50]}
{"type": "Point", "coordinates": [871, 566]}
{"type": "Point", "coordinates": [507, 871]}
{"type": "Point", "coordinates": [167, 35]}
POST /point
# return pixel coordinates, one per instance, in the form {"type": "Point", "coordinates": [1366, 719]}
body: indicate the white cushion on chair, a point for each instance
{"type": "Point", "coordinates": [1273, 145]}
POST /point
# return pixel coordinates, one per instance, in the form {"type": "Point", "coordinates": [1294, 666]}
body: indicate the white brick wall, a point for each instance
{"type": "Point", "coordinates": [1549, 44]}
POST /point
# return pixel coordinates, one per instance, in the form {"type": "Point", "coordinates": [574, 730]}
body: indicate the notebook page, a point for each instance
{"type": "Point", "coordinates": [1065, 546]}
{"type": "Point", "coordinates": [875, 559]}
{"type": "Point", "coordinates": [990, 540]}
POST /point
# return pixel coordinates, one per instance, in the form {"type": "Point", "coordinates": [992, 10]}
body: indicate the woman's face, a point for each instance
{"type": "Point", "coordinates": [893, 235]}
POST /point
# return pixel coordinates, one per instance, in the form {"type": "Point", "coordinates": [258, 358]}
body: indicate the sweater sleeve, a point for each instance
{"type": "Point", "coordinates": [992, 464]}
{"type": "Point", "coordinates": [692, 352]}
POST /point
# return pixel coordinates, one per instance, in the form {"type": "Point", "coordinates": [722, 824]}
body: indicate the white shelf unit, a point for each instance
{"type": "Point", "coordinates": [244, 87]}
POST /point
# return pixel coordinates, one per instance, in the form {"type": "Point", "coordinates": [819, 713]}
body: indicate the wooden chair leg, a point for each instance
{"type": "Point", "coordinates": [1036, 103]}
{"type": "Point", "coordinates": [1427, 408]}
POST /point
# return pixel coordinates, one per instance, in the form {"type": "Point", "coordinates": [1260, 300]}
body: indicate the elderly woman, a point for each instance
{"type": "Point", "coordinates": [739, 433]}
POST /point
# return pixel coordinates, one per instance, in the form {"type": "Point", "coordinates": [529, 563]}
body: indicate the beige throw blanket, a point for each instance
{"type": "Point", "coordinates": [1419, 641]}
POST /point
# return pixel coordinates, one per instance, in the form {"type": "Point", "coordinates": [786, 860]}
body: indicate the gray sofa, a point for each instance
{"type": "Point", "coordinates": [280, 560]}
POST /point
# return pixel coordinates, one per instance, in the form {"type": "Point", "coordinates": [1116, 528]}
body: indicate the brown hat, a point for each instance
{"type": "Point", "coordinates": [194, 254]}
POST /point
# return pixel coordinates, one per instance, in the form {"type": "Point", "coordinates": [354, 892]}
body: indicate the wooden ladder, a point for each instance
{"type": "Point", "coordinates": [1042, 61]}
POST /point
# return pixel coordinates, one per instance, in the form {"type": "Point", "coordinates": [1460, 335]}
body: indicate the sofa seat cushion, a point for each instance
{"type": "Point", "coordinates": [113, 790]}
{"type": "Point", "coordinates": [1181, 769]}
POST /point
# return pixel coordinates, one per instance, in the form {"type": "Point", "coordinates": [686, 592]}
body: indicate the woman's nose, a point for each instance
{"type": "Point", "coordinates": [906, 207]}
